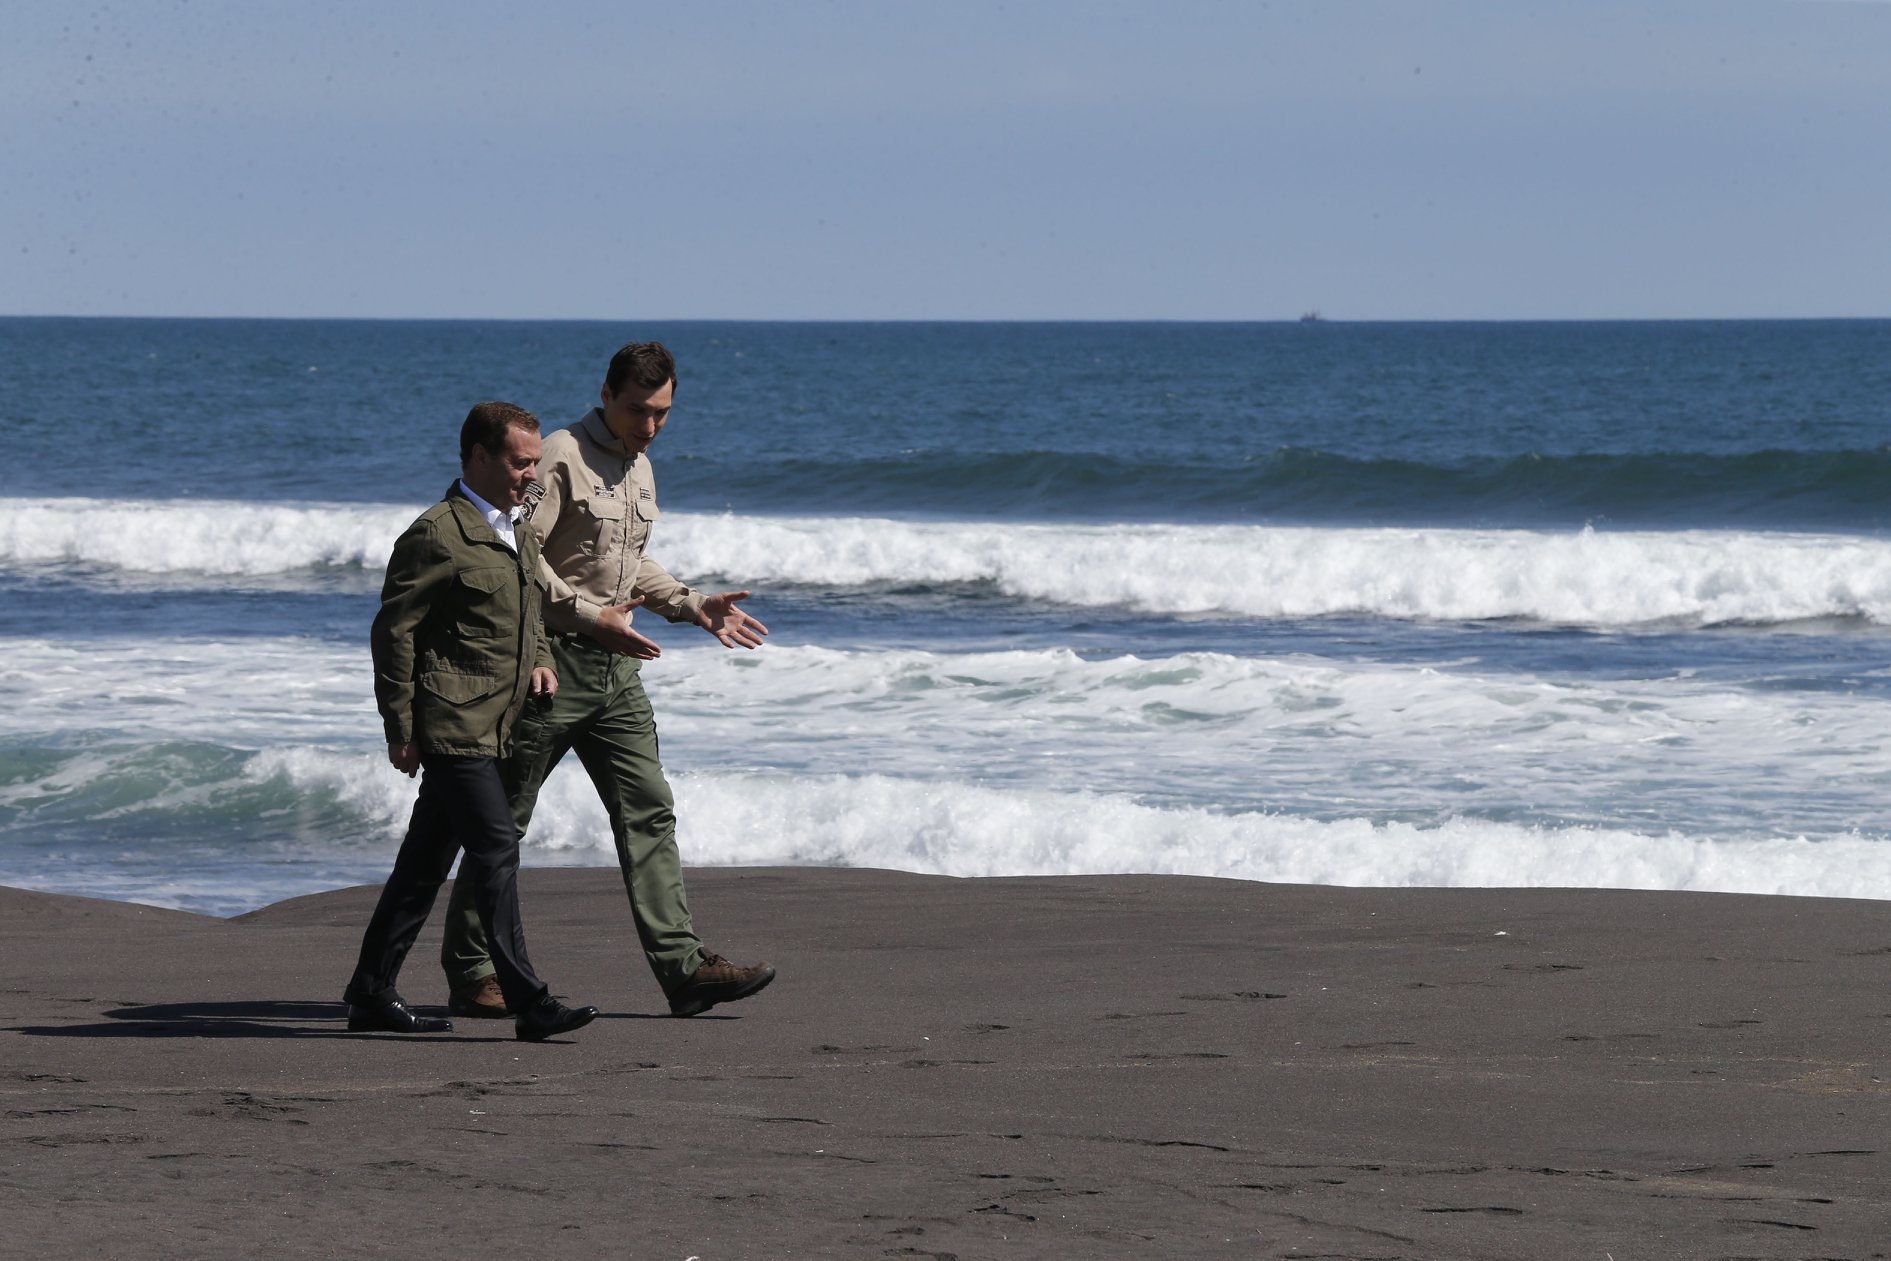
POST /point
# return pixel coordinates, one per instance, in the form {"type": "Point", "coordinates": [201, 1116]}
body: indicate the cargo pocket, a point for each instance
{"type": "Point", "coordinates": [525, 765]}
{"type": "Point", "coordinates": [461, 689]}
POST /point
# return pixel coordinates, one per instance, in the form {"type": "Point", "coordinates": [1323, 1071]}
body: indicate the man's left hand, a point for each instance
{"type": "Point", "coordinates": [729, 624]}
{"type": "Point", "coordinates": [544, 682]}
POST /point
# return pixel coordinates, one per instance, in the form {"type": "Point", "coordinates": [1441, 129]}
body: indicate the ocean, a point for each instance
{"type": "Point", "coordinates": [1530, 604]}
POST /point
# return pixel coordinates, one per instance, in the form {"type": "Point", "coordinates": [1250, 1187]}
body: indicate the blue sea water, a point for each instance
{"type": "Point", "coordinates": [1467, 604]}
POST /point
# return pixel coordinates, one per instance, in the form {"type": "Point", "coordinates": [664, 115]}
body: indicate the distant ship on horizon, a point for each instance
{"type": "Point", "coordinates": [1312, 317]}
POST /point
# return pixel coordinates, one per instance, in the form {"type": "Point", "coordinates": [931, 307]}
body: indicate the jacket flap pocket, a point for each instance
{"type": "Point", "coordinates": [460, 689]}
{"type": "Point", "coordinates": [487, 579]}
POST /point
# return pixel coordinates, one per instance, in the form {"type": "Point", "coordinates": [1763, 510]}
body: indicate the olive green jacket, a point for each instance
{"type": "Point", "coordinates": [459, 632]}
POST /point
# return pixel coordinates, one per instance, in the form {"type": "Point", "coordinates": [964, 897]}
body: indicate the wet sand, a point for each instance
{"type": "Point", "coordinates": [1069, 1067]}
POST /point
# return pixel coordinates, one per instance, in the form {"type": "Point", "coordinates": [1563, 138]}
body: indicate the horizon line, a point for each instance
{"type": "Point", "coordinates": [913, 319]}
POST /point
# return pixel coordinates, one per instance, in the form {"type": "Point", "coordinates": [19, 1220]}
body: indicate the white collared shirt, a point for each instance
{"type": "Point", "coordinates": [501, 522]}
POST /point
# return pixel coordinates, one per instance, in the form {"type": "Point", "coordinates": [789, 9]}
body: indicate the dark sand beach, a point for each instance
{"type": "Point", "coordinates": [1070, 1067]}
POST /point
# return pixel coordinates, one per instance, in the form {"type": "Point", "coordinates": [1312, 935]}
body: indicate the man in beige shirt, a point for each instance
{"type": "Point", "coordinates": [595, 513]}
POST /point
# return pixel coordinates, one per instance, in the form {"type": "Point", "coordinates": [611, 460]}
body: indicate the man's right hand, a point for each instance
{"type": "Point", "coordinates": [612, 629]}
{"type": "Point", "coordinates": [405, 758]}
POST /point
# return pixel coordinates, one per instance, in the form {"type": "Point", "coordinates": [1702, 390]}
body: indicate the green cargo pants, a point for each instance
{"type": "Point", "coordinates": [601, 711]}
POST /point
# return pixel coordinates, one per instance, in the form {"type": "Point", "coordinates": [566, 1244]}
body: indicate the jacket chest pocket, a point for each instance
{"type": "Point", "coordinates": [641, 518]}
{"type": "Point", "coordinates": [486, 602]}
{"type": "Point", "coordinates": [606, 524]}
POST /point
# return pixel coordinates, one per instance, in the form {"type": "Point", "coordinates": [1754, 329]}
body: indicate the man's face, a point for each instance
{"type": "Point", "coordinates": [501, 478]}
{"type": "Point", "coordinates": [635, 415]}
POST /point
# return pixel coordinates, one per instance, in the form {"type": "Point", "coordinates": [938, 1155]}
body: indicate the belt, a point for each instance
{"type": "Point", "coordinates": [575, 639]}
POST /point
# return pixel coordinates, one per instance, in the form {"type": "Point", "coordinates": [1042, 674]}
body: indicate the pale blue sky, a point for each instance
{"type": "Point", "coordinates": [1376, 159]}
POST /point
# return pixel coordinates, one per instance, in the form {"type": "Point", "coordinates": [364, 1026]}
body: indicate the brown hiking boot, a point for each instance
{"type": "Point", "coordinates": [481, 998]}
{"type": "Point", "coordinates": [718, 981]}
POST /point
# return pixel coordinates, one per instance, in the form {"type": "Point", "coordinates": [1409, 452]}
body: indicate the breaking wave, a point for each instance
{"type": "Point", "coordinates": [1579, 578]}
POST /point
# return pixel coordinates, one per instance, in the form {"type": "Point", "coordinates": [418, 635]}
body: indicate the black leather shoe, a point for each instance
{"type": "Point", "coordinates": [390, 1014]}
{"type": "Point", "coordinates": [549, 1017]}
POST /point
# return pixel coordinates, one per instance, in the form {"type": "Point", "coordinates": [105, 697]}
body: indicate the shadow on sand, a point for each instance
{"type": "Point", "coordinates": [269, 1018]}
{"type": "Point", "coordinates": [254, 1019]}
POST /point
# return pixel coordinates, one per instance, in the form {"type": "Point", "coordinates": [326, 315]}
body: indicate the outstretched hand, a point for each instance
{"type": "Point", "coordinates": [612, 629]}
{"type": "Point", "coordinates": [729, 624]}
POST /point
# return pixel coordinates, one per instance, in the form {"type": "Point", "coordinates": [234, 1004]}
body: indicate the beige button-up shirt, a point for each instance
{"type": "Point", "coordinates": [597, 505]}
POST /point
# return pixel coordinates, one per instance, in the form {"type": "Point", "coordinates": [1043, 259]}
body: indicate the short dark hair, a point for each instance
{"type": "Point", "coordinates": [486, 427]}
{"type": "Point", "coordinates": [649, 364]}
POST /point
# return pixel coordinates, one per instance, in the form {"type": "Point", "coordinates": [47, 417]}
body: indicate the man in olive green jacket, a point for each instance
{"type": "Point", "coordinates": [459, 649]}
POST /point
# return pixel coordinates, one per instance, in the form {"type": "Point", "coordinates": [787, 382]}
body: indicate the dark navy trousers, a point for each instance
{"type": "Point", "coordinates": [462, 807]}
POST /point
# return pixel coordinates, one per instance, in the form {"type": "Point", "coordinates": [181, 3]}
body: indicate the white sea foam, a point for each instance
{"type": "Point", "coordinates": [956, 828]}
{"type": "Point", "coordinates": [966, 830]}
{"type": "Point", "coordinates": [207, 536]}
{"type": "Point", "coordinates": [1362, 785]}
{"type": "Point", "coordinates": [252, 692]}
{"type": "Point", "coordinates": [1306, 735]}
{"type": "Point", "coordinates": [1587, 577]}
